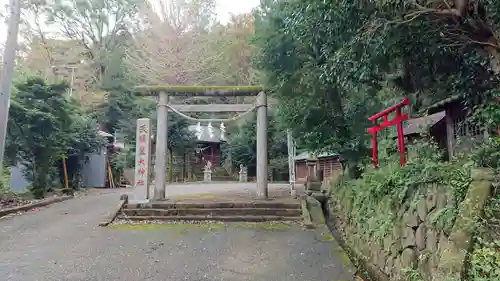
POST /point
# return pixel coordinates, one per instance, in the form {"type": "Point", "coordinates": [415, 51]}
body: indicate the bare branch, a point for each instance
{"type": "Point", "coordinates": [487, 44]}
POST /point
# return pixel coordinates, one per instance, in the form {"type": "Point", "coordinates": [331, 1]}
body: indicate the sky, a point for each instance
{"type": "Point", "coordinates": [225, 7]}
{"type": "Point", "coordinates": [223, 10]}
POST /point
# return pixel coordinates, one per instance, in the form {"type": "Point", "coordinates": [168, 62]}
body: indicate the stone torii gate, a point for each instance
{"type": "Point", "coordinates": [164, 92]}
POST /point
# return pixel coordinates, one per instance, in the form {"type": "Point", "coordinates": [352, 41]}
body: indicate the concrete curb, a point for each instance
{"type": "Point", "coordinates": [305, 213]}
{"type": "Point", "coordinates": [358, 261]}
{"type": "Point", "coordinates": [315, 211]}
{"type": "Point", "coordinates": [28, 207]}
{"type": "Point", "coordinates": [114, 213]}
{"type": "Point", "coordinates": [320, 222]}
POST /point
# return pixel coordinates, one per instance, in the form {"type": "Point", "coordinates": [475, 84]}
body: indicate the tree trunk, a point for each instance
{"type": "Point", "coordinates": [40, 182]}
{"type": "Point", "coordinates": [494, 57]}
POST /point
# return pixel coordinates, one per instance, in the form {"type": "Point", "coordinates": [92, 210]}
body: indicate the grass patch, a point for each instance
{"type": "Point", "coordinates": [338, 251]}
{"type": "Point", "coordinates": [268, 226]}
{"type": "Point", "coordinates": [177, 227]}
{"type": "Point", "coordinates": [324, 236]}
{"type": "Point", "coordinates": [196, 196]}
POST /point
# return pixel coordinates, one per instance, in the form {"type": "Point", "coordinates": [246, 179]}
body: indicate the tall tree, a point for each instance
{"type": "Point", "coordinates": [171, 45]}
{"type": "Point", "coordinates": [95, 24]}
{"type": "Point", "coordinates": [461, 23]}
{"type": "Point", "coordinates": [232, 41]}
{"type": "Point", "coordinates": [296, 45]}
{"type": "Point", "coordinates": [334, 63]}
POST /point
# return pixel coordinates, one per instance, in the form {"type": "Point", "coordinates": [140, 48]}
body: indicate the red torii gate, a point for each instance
{"type": "Point", "coordinates": [398, 121]}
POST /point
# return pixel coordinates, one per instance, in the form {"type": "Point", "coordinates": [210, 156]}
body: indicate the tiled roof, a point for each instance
{"type": "Point", "coordinates": [416, 125]}
{"type": "Point", "coordinates": [104, 134]}
{"type": "Point", "coordinates": [309, 156]}
{"type": "Point", "coordinates": [446, 101]}
{"type": "Point", "coordinates": [205, 135]}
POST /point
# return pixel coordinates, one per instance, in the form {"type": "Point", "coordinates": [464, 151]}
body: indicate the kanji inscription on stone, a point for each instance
{"type": "Point", "coordinates": [142, 159]}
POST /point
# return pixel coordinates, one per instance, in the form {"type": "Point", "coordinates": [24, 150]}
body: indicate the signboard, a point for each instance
{"type": "Point", "coordinates": [142, 158]}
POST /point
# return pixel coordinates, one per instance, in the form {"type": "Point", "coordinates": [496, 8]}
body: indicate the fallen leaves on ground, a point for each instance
{"type": "Point", "coordinates": [6, 203]}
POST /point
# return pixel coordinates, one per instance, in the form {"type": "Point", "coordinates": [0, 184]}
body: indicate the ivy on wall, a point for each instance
{"type": "Point", "coordinates": [373, 201]}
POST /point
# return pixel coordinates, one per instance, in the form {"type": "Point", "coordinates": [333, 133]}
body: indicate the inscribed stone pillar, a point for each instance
{"type": "Point", "coordinates": [142, 160]}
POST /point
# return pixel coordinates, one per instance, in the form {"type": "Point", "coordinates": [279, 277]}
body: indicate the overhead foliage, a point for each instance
{"type": "Point", "coordinates": [87, 34]}
{"type": "Point", "coordinates": [180, 43]}
{"type": "Point", "coordinates": [172, 44]}
{"type": "Point", "coordinates": [44, 127]}
{"type": "Point", "coordinates": [312, 100]}
{"type": "Point", "coordinates": [95, 24]}
{"type": "Point", "coordinates": [334, 63]}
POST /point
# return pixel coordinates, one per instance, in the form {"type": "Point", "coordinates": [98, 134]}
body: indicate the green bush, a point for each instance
{"type": "Point", "coordinates": [485, 256]}
{"type": "Point", "coordinates": [372, 202]}
{"type": "Point", "coordinates": [488, 154]}
{"type": "Point", "coordinates": [44, 127]}
{"type": "Point", "coordinates": [4, 181]}
{"type": "Point", "coordinates": [119, 161]}
{"type": "Point", "coordinates": [485, 261]}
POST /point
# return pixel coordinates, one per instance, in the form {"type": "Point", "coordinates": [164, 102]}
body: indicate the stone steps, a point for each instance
{"type": "Point", "coordinates": [214, 212]}
{"type": "Point", "coordinates": [250, 211]}
{"type": "Point", "coordinates": [223, 178]}
{"type": "Point", "coordinates": [211, 218]}
{"type": "Point", "coordinates": [216, 178]}
{"type": "Point", "coordinates": [213, 205]}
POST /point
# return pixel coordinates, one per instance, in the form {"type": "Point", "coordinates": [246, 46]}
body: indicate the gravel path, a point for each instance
{"type": "Point", "coordinates": [64, 243]}
{"type": "Point", "coordinates": [176, 189]}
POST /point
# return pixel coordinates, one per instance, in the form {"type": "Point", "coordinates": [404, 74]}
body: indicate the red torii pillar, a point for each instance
{"type": "Point", "coordinates": [398, 121]}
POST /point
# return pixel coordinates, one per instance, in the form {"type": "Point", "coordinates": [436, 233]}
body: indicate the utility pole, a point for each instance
{"type": "Point", "coordinates": [72, 81]}
{"type": "Point", "coordinates": [9, 58]}
{"type": "Point", "coordinates": [72, 67]}
{"type": "Point", "coordinates": [291, 162]}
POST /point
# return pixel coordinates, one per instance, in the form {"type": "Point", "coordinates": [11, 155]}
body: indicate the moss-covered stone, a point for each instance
{"type": "Point", "coordinates": [454, 251]}
{"type": "Point", "coordinates": [483, 174]}
{"type": "Point", "coordinates": [314, 207]}
{"type": "Point", "coordinates": [175, 226]}
{"type": "Point", "coordinates": [268, 226]}
{"type": "Point", "coordinates": [469, 213]}
{"type": "Point", "coordinates": [418, 222]}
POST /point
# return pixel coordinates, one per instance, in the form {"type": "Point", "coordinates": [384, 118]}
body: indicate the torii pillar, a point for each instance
{"type": "Point", "coordinates": [162, 134]}
{"type": "Point", "coordinates": [161, 147]}
{"type": "Point", "coordinates": [262, 182]}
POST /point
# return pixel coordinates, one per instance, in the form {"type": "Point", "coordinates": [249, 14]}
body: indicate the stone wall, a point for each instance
{"type": "Point", "coordinates": [418, 243]}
